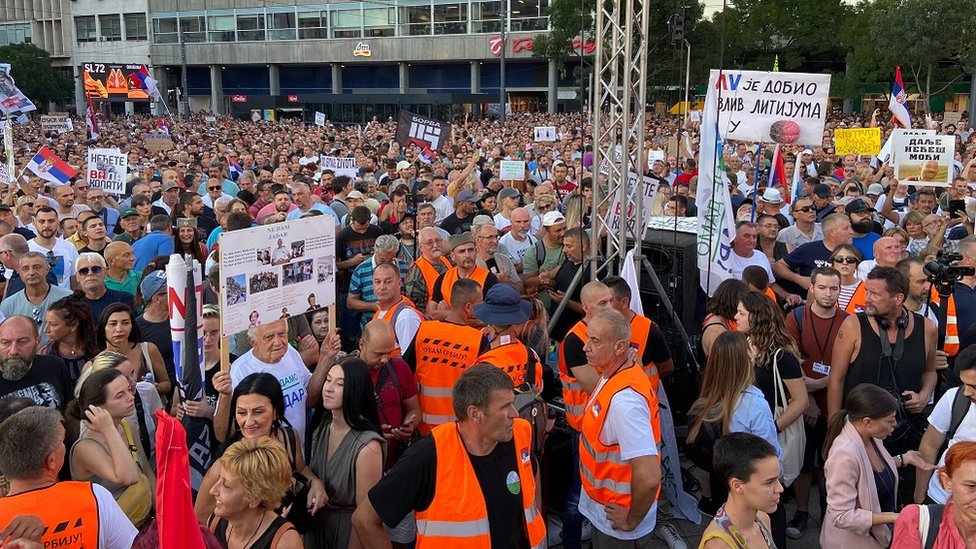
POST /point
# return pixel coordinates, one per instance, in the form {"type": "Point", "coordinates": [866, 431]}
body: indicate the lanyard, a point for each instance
{"type": "Point", "coordinates": [816, 338]}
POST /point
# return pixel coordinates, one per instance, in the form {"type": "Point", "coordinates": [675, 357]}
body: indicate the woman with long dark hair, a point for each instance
{"type": "Point", "coordinates": [187, 240]}
{"type": "Point", "coordinates": [70, 333]}
{"type": "Point", "coordinates": [348, 451]}
{"type": "Point", "coordinates": [860, 475]}
{"type": "Point", "coordinates": [258, 406]}
{"type": "Point", "coordinates": [720, 312]}
{"type": "Point", "coordinates": [117, 331]}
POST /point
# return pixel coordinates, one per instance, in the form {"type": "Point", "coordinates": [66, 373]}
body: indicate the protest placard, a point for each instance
{"type": "Point", "coordinates": [950, 117]}
{"type": "Point", "coordinates": [777, 107]}
{"type": "Point", "coordinates": [339, 165]}
{"type": "Point", "coordinates": [694, 116]}
{"type": "Point", "coordinates": [275, 271]}
{"type": "Point", "coordinates": [923, 159]}
{"type": "Point", "coordinates": [857, 141]}
{"type": "Point", "coordinates": [885, 154]}
{"type": "Point", "coordinates": [319, 118]}
{"type": "Point", "coordinates": [546, 133]}
{"type": "Point", "coordinates": [107, 169]}
{"type": "Point", "coordinates": [60, 123]}
{"type": "Point", "coordinates": [414, 129]}
{"type": "Point", "coordinates": [158, 142]}
{"type": "Point", "coordinates": [511, 170]}
{"type": "Point", "coordinates": [648, 188]}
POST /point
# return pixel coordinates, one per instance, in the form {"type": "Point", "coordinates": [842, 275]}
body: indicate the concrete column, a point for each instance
{"type": "Point", "coordinates": [476, 77]}
{"type": "Point", "coordinates": [404, 77]}
{"type": "Point", "coordinates": [275, 79]}
{"type": "Point", "coordinates": [553, 86]}
{"type": "Point", "coordinates": [81, 105]}
{"type": "Point", "coordinates": [130, 108]}
{"type": "Point", "coordinates": [337, 78]}
{"type": "Point", "coordinates": [216, 90]}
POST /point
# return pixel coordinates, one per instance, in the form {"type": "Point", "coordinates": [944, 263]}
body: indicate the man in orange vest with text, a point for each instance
{"type": "Point", "coordinates": [619, 464]}
{"type": "Point", "coordinates": [425, 270]}
{"type": "Point", "coordinates": [471, 482]}
{"type": "Point", "coordinates": [441, 352]}
{"type": "Point", "coordinates": [75, 514]}
{"type": "Point", "coordinates": [464, 256]}
{"type": "Point", "coordinates": [392, 307]}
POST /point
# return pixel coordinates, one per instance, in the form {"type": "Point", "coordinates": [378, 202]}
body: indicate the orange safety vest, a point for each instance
{"type": "Point", "coordinates": [451, 276]}
{"type": "Point", "coordinates": [605, 475]}
{"type": "Point", "coordinates": [951, 346]}
{"type": "Point", "coordinates": [68, 510]}
{"type": "Point", "coordinates": [513, 357]}
{"type": "Point", "coordinates": [458, 515]}
{"type": "Point", "coordinates": [574, 397]}
{"type": "Point", "coordinates": [391, 315]}
{"type": "Point", "coordinates": [640, 330]}
{"type": "Point", "coordinates": [857, 302]}
{"type": "Point", "coordinates": [444, 350]}
{"type": "Point", "coordinates": [429, 272]}
{"type": "Point", "coordinates": [770, 294]}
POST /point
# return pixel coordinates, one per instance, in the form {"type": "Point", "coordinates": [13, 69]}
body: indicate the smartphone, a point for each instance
{"type": "Point", "coordinates": [956, 206]}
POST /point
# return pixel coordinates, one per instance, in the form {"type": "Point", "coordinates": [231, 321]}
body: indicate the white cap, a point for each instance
{"type": "Point", "coordinates": [772, 196]}
{"type": "Point", "coordinates": [552, 218]}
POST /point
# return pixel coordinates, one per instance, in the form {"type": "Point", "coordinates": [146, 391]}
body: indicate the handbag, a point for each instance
{"type": "Point", "coordinates": [792, 439]}
{"type": "Point", "coordinates": [136, 501]}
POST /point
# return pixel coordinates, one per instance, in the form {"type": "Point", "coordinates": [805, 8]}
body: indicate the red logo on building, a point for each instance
{"type": "Point", "coordinates": [238, 99]}
{"type": "Point", "coordinates": [293, 99]}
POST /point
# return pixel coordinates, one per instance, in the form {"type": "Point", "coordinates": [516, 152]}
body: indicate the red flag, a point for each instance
{"type": "Point", "coordinates": [176, 522]}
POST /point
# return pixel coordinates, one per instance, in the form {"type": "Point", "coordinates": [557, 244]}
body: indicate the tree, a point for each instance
{"type": "Point", "coordinates": [31, 67]}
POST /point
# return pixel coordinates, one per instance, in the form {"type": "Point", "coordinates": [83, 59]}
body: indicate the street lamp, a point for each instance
{"type": "Point", "coordinates": [501, 70]}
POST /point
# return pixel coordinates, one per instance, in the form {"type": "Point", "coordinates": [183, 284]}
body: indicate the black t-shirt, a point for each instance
{"type": "Point", "coordinates": [411, 483]}
{"type": "Point", "coordinates": [456, 225]}
{"type": "Point", "coordinates": [111, 296]}
{"type": "Point", "coordinates": [490, 281]}
{"type": "Point", "coordinates": [562, 280]}
{"type": "Point", "coordinates": [789, 368]}
{"type": "Point", "coordinates": [158, 333]}
{"type": "Point", "coordinates": [573, 352]}
{"type": "Point", "coordinates": [46, 383]}
{"type": "Point", "coordinates": [656, 350]}
{"type": "Point", "coordinates": [350, 243]}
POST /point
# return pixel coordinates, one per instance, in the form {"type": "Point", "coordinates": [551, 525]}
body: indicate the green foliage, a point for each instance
{"type": "Point", "coordinates": [37, 79]}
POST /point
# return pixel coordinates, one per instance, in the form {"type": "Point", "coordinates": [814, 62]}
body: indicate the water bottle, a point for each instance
{"type": "Point", "coordinates": [150, 378]}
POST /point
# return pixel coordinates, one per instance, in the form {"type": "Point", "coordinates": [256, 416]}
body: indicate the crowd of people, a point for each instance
{"type": "Point", "coordinates": [469, 329]}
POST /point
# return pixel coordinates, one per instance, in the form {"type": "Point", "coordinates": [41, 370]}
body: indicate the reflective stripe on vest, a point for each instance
{"type": "Point", "coordinates": [457, 515]}
{"type": "Point", "coordinates": [451, 276]}
{"type": "Point", "coordinates": [430, 273]}
{"type": "Point", "coordinates": [68, 510]}
{"type": "Point", "coordinates": [443, 351]}
{"type": "Point", "coordinates": [605, 476]}
{"type": "Point", "coordinates": [574, 397]}
{"type": "Point", "coordinates": [857, 302]}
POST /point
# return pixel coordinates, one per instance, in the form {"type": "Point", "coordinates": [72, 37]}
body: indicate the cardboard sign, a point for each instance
{"type": "Point", "coordinates": [158, 142]}
{"type": "Point", "coordinates": [511, 170]}
{"type": "Point", "coordinates": [339, 165]}
{"type": "Point", "coordinates": [319, 118]}
{"type": "Point", "coordinates": [620, 213]}
{"type": "Point", "coordinates": [546, 133]}
{"type": "Point", "coordinates": [923, 159]}
{"type": "Point", "coordinates": [56, 123]}
{"type": "Point", "coordinates": [107, 169]}
{"type": "Point", "coordinates": [771, 107]}
{"type": "Point", "coordinates": [950, 117]}
{"type": "Point", "coordinates": [865, 141]}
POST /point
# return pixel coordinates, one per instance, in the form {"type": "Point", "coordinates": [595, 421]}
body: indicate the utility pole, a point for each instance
{"type": "Point", "coordinates": [185, 95]}
{"type": "Point", "coordinates": [501, 69]}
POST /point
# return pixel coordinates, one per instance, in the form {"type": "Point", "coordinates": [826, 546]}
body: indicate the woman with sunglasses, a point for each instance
{"type": "Point", "coordinates": [25, 212]}
{"type": "Point", "coordinates": [118, 332]}
{"type": "Point", "coordinates": [845, 258]}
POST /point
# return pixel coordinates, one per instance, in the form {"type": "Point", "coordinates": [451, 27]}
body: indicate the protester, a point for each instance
{"type": "Point", "coordinates": [118, 332]}
{"type": "Point", "coordinates": [23, 373]}
{"type": "Point", "coordinates": [71, 337]}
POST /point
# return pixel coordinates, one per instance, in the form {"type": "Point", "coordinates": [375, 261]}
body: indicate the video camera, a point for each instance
{"type": "Point", "coordinates": [944, 273]}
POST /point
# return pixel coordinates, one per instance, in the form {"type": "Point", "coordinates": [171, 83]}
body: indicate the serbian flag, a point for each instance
{"type": "Point", "coordinates": [91, 119]}
{"type": "Point", "coordinates": [49, 167]}
{"type": "Point", "coordinates": [777, 173]}
{"type": "Point", "coordinates": [898, 104]}
{"type": "Point", "coordinates": [143, 81]}
{"type": "Point", "coordinates": [234, 168]}
{"type": "Point", "coordinates": [176, 522]}
{"type": "Point", "coordinates": [163, 125]}
{"type": "Point", "coordinates": [427, 156]}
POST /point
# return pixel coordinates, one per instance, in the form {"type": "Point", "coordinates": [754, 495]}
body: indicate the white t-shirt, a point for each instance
{"type": "Point", "coordinates": [65, 255]}
{"type": "Point", "coordinates": [407, 324]}
{"type": "Point", "coordinates": [444, 206]}
{"type": "Point", "coordinates": [293, 376]}
{"type": "Point", "coordinates": [115, 530]}
{"type": "Point", "coordinates": [501, 222]}
{"type": "Point", "coordinates": [941, 418]}
{"type": "Point", "coordinates": [739, 264]}
{"type": "Point", "coordinates": [628, 423]}
{"type": "Point", "coordinates": [516, 249]}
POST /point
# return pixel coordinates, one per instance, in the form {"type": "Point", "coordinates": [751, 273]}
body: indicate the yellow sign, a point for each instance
{"type": "Point", "coordinates": [865, 141]}
{"type": "Point", "coordinates": [362, 50]}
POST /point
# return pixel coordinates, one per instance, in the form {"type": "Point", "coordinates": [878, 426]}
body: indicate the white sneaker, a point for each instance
{"type": "Point", "coordinates": [668, 533]}
{"type": "Point", "coordinates": [554, 532]}
{"type": "Point", "coordinates": [587, 531]}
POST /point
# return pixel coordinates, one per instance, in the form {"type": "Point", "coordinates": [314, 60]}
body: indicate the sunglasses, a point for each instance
{"type": "Point", "coordinates": [213, 188]}
{"type": "Point", "coordinates": [847, 260]}
{"type": "Point", "coordinates": [93, 270]}
{"type": "Point", "coordinates": [805, 209]}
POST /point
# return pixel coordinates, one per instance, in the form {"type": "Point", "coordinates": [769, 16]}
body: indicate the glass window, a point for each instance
{"type": "Point", "coordinates": [85, 29]}
{"type": "Point", "coordinates": [222, 27]}
{"type": "Point", "coordinates": [15, 34]}
{"type": "Point", "coordinates": [250, 27]}
{"type": "Point", "coordinates": [486, 16]}
{"type": "Point", "coordinates": [346, 22]}
{"type": "Point", "coordinates": [164, 30]}
{"type": "Point", "coordinates": [379, 21]}
{"type": "Point", "coordinates": [451, 18]}
{"type": "Point", "coordinates": [111, 25]}
{"type": "Point", "coordinates": [193, 27]}
{"type": "Point", "coordinates": [313, 24]}
{"type": "Point", "coordinates": [414, 18]}
{"type": "Point", "coordinates": [529, 15]}
{"type": "Point", "coordinates": [281, 25]}
{"type": "Point", "coordinates": [135, 26]}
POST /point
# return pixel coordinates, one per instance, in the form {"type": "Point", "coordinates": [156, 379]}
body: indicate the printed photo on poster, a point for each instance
{"type": "Point", "coordinates": [924, 159]}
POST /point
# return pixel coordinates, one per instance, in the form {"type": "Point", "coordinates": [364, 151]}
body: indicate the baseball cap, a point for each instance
{"type": "Point", "coordinates": [508, 192]}
{"type": "Point", "coordinates": [402, 165]}
{"type": "Point", "coordinates": [807, 151]}
{"type": "Point", "coordinates": [152, 284]}
{"type": "Point", "coordinates": [552, 218]}
{"type": "Point", "coordinates": [875, 189]}
{"type": "Point", "coordinates": [129, 213]}
{"type": "Point", "coordinates": [482, 220]}
{"type": "Point", "coordinates": [170, 185]}
{"type": "Point", "coordinates": [822, 190]}
{"type": "Point", "coordinates": [356, 195]}
{"type": "Point", "coordinates": [858, 205]}
{"type": "Point", "coordinates": [460, 240]}
{"type": "Point", "coordinates": [466, 196]}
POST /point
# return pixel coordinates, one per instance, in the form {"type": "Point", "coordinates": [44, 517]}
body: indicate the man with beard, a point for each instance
{"type": "Point", "coordinates": [282, 204]}
{"type": "Point", "coordinates": [191, 206]}
{"type": "Point", "coordinates": [489, 257]}
{"type": "Point", "coordinates": [425, 270]}
{"type": "Point", "coordinates": [43, 379]}
{"type": "Point", "coordinates": [464, 254]}
{"type": "Point", "coordinates": [862, 223]}
{"type": "Point", "coordinates": [37, 294]}
{"type": "Point", "coordinates": [518, 240]}
{"type": "Point", "coordinates": [60, 254]}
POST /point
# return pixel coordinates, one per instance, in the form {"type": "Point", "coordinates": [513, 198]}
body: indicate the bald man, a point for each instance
{"type": "Point", "coordinates": [519, 238]}
{"type": "Point", "coordinates": [121, 275]}
{"type": "Point", "coordinates": [888, 251]}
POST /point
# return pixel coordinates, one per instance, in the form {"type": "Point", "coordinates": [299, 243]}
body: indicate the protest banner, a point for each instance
{"type": "Point", "coordinates": [778, 107]}
{"type": "Point", "coordinates": [923, 159]}
{"type": "Point", "coordinates": [414, 129]}
{"type": "Point", "coordinates": [275, 271]}
{"type": "Point", "coordinates": [648, 187]}
{"type": "Point", "coordinates": [60, 123]}
{"type": "Point", "coordinates": [319, 118]}
{"type": "Point", "coordinates": [866, 141]}
{"type": "Point", "coordinates": [654, 155]}
{"type": "Point", "coordinates": [950, 117]}
{"type": "Point", "coordinates": [511, 170]}
{"type": "Point", "coordinates": [158, 142]}
{"type": "Point", "coordinates": [107, 169]}
{"type": "Point", "coordinates": [339, 165]}
{"type": "Point", "coordinates": [546, 133]}
{"type": "Point", "coordinates": [13, 103]}
{"type": "Point", "coordinates": [885, 154]}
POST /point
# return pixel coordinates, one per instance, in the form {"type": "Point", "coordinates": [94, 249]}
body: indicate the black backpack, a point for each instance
{"type": "Point", "coordinates": [702, 450]}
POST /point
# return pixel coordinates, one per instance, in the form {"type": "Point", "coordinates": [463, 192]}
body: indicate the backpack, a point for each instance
{"type": "Point", "coordinates": [698, 346]}
{"type": "Point", "coordinates": [702, 450]}
{"type": "Point", "coordinates": [530, 406]}
{"type": "Point", "coordinates": [540, 253]}
{"type": "Point", "coordinates": [929, 520]}
{"type": "Point", "coordinates": [960, 407]}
